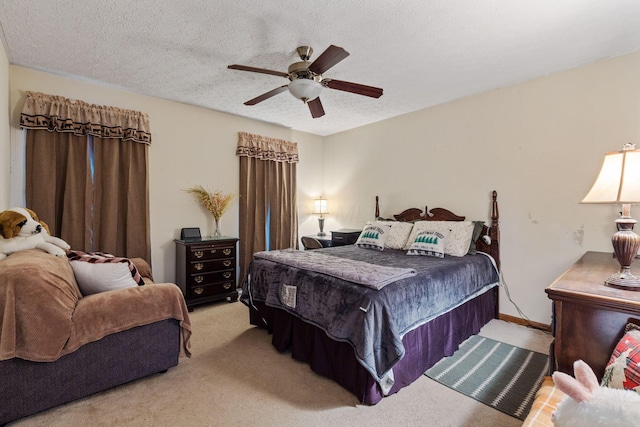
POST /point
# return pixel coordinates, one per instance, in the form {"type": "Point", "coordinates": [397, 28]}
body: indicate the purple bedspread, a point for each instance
{"type": "Point", "coordinates": [372, 321]}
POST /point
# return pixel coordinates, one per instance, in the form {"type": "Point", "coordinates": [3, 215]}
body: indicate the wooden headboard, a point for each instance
{"type": "Point", "coordinates": [440, 214]}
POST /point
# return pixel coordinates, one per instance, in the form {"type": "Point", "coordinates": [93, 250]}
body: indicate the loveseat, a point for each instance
{"type": "Point", "coordinates": [547, 400]}
{"type": "Point", "coordinates": [57, 345]}
{"type": "Point", "coordinates": [621, 371]}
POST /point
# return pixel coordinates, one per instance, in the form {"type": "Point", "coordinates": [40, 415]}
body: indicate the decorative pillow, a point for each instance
{"type": "Point", "coordinates": [458, 234]}
{"type": "Point", "coordinates": [99, 272]}
{"type": "Point", "coordinates": [430, 243]}
{"type": "Point", "coordinates": [477, 229]}
{"type": "Point", "coordinates": [398, 235]}
{"type": "Point", "coordinates": [373, 237]}
{"type": "Point", "coordinates": [623, 369]}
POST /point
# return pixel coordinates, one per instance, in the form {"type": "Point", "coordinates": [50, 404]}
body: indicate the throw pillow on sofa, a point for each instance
{"type": "Point", "coordinates": [623, 369]}
{"type": "Point", "coordinates": [99, 272]}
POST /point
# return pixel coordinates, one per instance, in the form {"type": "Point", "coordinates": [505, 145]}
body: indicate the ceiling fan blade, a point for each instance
{"type": "Point", "coordinates": [315, 107]}
{"type": "Point", "coordinates": [267, 95]}
{"type": "Point", "coordinates": [257, 70]}
{"type": "Point", "coordinates": [327, 59]}
{"type": "Point", "coordinates": [374, 92]}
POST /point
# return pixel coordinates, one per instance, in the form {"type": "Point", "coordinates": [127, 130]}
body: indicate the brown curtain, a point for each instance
{"type": "Point", "coordinates": [268, 215]}
{"type": "Point", "coordinates": [121, 202]}
{"type": "Point", "coordinates": [104, 208]}
{"type": "Point", "coordinates": [58, 185]}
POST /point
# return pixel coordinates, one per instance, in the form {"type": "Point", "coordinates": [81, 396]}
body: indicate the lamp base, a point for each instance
{"type": "Point", "coordinates": [626, 245]}
{"type": "Point", "coordinates": [623, 280]}
{"type": "Point", "coordinates": [321, 224]}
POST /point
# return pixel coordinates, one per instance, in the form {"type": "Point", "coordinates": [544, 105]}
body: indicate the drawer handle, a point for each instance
{"type": "Point", "coordinates": [226, 285]}
{"type": "Point", "coordinates": [198, 291]}
{"type": "Point", "coordinates": [199, 266]}
{"type": "Point", "coordinates": [213, 251]}
{"type": "Point", "coordinates": [226, 262]}
{"type": "Point", "coordinates": [226, 251]}
{"type": "Point", "coordinates": [198, 279]}
{"type": "Point", "coordinates": [198, 254]}
{"type": "Point", "coordinates": [226, 274]}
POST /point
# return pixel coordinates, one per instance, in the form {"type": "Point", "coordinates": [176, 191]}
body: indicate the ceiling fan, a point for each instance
{"type": "Point", "coordinates": [306, 81]}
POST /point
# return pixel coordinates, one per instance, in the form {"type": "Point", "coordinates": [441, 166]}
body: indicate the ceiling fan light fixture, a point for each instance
{"type": "Point", "coordinates": [305, 89]}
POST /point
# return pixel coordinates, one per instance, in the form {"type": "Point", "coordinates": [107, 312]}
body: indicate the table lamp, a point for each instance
{"type": "Point", "coordinates": [619, 182]}
{"type": "Point", "coordinates": [320, 207]}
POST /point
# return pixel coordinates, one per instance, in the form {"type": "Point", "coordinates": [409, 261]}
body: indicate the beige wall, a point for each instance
{"type": "Point", "coordinates": [5, 151]}
{"type": "Point", "coordinates": [540, 144]}
{"type": "Point", "coordinates": [190, 145]}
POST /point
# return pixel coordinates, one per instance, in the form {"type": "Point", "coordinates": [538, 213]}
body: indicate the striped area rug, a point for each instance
{"type": "Point", "coordinates": [494, 373]}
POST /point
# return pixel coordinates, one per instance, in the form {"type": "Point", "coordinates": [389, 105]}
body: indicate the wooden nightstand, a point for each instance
{"type": "Point", "coordinates": [344, 236]}
{"type": "Point", "coordinates": [589, 317]}
{"type": "Point", "coordinates": [206, 270]}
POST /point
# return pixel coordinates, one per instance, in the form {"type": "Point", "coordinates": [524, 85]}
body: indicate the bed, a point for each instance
{"type": "Point", "coordinates": [378, 338]}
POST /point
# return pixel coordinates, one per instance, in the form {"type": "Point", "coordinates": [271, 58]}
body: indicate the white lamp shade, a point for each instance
{"type": "Point", "coordinates": [619, 179]}
{"type": "Point", "coordinates": [320, 206]}
{"type": "Point", "coordinates": [305, 89]}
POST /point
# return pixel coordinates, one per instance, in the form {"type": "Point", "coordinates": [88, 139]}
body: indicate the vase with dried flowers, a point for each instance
{"type": "Point", "coordinates": [215, 202]}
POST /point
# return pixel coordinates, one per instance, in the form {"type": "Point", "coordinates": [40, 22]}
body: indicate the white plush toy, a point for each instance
{"type": "Point", "coordinates": [20, 229]}
{"type": "Point", "coordinates": [588, 404]}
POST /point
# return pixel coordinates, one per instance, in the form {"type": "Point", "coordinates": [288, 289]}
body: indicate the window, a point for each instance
{"type": "Point", "coordinates": [86, 176]}
{"type": "Point", "coordinates": [268, 215]}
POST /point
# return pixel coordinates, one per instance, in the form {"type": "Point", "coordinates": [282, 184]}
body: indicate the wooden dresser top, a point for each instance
{"type": "Point", "coordinates": [585, 279]}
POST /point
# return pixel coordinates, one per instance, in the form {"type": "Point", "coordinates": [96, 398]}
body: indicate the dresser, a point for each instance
{"type": "Point", "coordinates": [206, 269]}
{"type": "Point", "coordinates": [589, 317]}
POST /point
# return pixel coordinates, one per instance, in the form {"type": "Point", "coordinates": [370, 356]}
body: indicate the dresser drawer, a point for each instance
{"type": "Point", "coordinates": [205, 266]}
{"type": "Point", "coordinates": [210, 252]}
{"type": "Point", "coordinates": [211, 277]}
{"type": "Point", "coordinates": [203, 291]}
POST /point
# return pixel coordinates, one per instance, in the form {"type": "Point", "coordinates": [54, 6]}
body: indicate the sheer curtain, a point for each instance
{"type": "Point", "coordinates": [87, 173]}
{"type": "Point", "coordinates": [268, 215]}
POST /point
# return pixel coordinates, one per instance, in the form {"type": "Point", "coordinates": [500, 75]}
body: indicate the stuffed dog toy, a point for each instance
{"type": "Point", "coordinates": [21, 229]}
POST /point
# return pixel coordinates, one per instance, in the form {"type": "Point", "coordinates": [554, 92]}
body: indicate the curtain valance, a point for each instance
{"type": "Point", "coordinates": [59, 114]}
{"type": "Point", "coordinates": [265, 148]}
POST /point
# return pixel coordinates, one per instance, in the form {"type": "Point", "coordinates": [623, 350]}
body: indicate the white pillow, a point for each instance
{"type": "Point", "coordinates": [93, 278]}
{"type": "Point", "coordinates": [399, 234]}
{"type": "Point", "coordinates": [430, 243]}
{"type": "Point", "coordinates": [458, 237]}
{"type": "Point", "coordinates": [99, 272]}
{"type": "Point", "coordinates": [373, 237]}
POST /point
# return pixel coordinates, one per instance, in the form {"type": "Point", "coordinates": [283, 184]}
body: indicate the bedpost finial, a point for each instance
{"type": "Point", "coordinates": [495, 213]}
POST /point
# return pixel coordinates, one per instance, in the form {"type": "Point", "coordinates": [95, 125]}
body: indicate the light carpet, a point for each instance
{"type": "Point", "coordinates": [236, 378]}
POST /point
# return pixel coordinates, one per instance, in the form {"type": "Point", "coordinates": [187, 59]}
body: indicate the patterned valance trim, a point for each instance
{"type": "Point", "coordinates": [59, 114]}
{"type": "Point", "coordinates": [265, 148]}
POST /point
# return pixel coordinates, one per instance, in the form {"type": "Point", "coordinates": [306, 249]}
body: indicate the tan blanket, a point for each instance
{"type": "Point", "coordinates": [43, 315]}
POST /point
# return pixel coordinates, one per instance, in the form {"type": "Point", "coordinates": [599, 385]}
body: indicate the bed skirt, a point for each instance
{"type": "Point", "coordinates": [424, 346]}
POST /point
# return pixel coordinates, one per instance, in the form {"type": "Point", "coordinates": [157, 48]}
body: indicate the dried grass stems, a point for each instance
{"type": "Point", "coordinates": [215, 202]}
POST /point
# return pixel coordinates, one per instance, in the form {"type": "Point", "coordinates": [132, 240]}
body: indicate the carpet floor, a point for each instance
{"type": "Point", "coordinates": [236, 378]}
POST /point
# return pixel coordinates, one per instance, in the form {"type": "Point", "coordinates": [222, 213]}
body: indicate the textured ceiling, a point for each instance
{"type": "Point", "coordinates": [421, 52]}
